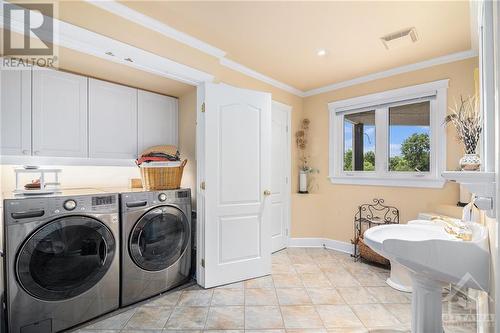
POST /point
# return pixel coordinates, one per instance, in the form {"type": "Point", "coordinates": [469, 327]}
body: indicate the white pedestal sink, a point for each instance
{"type": "Point", "coordinates": [434, 258]}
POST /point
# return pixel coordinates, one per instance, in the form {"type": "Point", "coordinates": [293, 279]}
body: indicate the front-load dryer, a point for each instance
{"type": "Point", "coordinates": [62, 260]}
{"type": "Point", "coordinates": [156, 242]}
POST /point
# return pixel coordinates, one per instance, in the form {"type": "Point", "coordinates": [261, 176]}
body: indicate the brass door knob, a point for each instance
{"type": "Point", "coordinates": [267, 192]}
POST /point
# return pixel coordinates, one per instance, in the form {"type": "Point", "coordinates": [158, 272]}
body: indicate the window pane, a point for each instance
{"type": "Point", "coordinates": [409, 137]}
{"type": "Point", "coordinates": [359, 141]}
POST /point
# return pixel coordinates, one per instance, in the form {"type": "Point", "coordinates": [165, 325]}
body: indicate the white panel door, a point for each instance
{"type": "Point", "coordinates": [157, 120]}
{"type": "Point", "coordinates": [59, 114]}
{"type": "Point", "coordinates": [237, 178]}
{"type": "Point", "coordinates": [15, 115]}
{"type": "Point", "coordinates": [112, 120]}
{"type": "Point", "coordinates": [280, 166]}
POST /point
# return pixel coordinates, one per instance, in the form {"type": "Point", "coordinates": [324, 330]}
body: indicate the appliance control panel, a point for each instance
{"type": "Point", "coordinates": [139, 200]}
{"type": "Point", "coordinates": [32, 209]}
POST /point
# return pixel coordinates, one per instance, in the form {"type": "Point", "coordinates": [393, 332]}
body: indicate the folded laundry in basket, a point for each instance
{"type": "Point", "coordinates": [158, 157]}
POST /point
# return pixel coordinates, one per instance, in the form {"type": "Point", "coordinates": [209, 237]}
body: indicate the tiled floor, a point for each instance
{"type": "Point", "coordinates": [310, 290]}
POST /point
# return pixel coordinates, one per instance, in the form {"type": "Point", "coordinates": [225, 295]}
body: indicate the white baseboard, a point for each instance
{"type": "Point", "coordinates": [322, 242]}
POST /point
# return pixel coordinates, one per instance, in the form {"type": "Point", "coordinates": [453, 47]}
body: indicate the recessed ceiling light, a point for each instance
{"type": "Point", "coordinates": [321, 52]}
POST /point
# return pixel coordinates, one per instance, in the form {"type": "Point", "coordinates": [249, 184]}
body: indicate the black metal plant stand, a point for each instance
{"type": "Point", "coordinates": [370, 215]}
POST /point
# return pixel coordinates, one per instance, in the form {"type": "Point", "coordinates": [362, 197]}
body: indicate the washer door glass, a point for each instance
{"type": "Point", "coordinates": [65, 258]}
{"type": "Point", "coordinates": [159, 238]}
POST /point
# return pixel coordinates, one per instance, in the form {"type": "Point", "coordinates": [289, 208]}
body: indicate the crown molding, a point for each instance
{"type": "Point", "coordinates": [160, 27]}
{"type": "Point", "coordinates": [136, 17]}
{"type": "Point", "coordinates": [88, 42]}
{"type": "Point", "coordinates": [259, 76]}
{"type": "Point", "coordinates": [116, 8]}
{"type": "Point", "coordinates": [394, 71]}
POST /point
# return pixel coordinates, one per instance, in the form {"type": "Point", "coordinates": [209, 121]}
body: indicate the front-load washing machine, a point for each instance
{"type": "Point", "coordinates": [156, 242]}
{"type": "Point", "coordinates": [62, 262]}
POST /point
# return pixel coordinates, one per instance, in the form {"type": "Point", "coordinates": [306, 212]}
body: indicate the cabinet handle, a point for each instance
{"type": "Point", "coordinates": [267, 192]}
{"type": "Point", "coordinates": [26, 152]}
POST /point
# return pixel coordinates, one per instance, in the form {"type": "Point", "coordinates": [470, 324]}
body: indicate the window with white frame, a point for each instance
{"type": "Point", "coordinates": [393, 138]}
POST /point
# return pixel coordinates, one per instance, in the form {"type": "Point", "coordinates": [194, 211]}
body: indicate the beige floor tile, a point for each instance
{"type": "Point", "coordinates": [185, 318]}
{"type": "Point", "coordinates": [330, 266]}
{"type": "Point", "coordinates": [134, 331]}
{"type": "Point", "coordinates": [300, 259]}
{"type": "Point", "coordinates": [315, 280]}
{"type": "Point", "coordinates": [369, 279]}
{"type": "Point", "coordinates": [287, 281]}
{"type": "Point", "coordinates": [308, 268]}
{"type": "Point", "coordinates": [301, 316]}
{"type": "Point", "coordinates": [228, 297]}
{"type": "Point", "coordinates": [283, 269]}
{"type": "Point", "coordinates": [225, 318]}
{"type": "Point", "coordinates": [306, 330]}
{"type": "Point", "coordinates": [401, 311]}
{"type": "Point", "coordinates": [293, 296]}
{"type": "Point", "coordinates": [388, 295]}
{"type": "Point", "coordinates": [263, 317]}
{"type": "Point", "coordinates": [195, 298]}
{"type": "Point", "coordinates": [219, 331]}
{"type": "Point", "coordinates": [115, 322]}
{"type": "Point", "coordinates": [341, 278]}
{"type": "Point", "coordinates": [392, 329]}
{"type": "Point", "coordinates": [374, 315]}
{"type": "Point", "coordinates": [180, 331]}
{"type": "Point", "coordinates": [280, 257]}
{"type": "Point", "coordinates": [349, 330]}
{"type": "Point", "coordinates": [169, 299]}
{"type": "Point", "coordinates": [265, 331]}
{"type": "Point", "coordinates": [261, 282]}
{"type": "Point", "coordinates": [356, 295]}
{"type": "Point", "coordinates": [325, 296]}
{"type": "Point", "coordinates": [335, 316]}
{"type": "Point", "coordinates": [260, 296]}
{"type": "Point", "coordinates": [236, 285]}
{"type": "Point", "coordinates": [149, 318]}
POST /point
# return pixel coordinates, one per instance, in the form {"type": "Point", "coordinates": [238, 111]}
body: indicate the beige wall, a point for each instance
{"type": "Point", "coordinates": [328, 211]}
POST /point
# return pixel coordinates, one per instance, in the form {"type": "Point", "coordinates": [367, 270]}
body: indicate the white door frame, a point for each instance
{"type": "Point", "coordinates": [496, 110]}
{"type": "Point", "coordinates": [288, 111]}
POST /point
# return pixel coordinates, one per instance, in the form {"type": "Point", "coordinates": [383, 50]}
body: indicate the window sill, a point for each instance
{"type": "Point", "coordinates": [393, 182]}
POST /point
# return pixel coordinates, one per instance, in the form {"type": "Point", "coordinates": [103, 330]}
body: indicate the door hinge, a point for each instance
{"type": "Point", "coordinates": [286, 232]}
{"type": "Point", "coordinates": [287, 128]}
{"type": "Point", "coordinates": [203, 263]}
{"type": "Point", "coordinates": [286, 180]}
{"type": "Point", "coordinates": [203, 107]}
{"type": "Point", "coordinates": [202, 185]}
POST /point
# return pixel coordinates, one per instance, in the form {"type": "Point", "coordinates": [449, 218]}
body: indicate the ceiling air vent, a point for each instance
{"type": "Point", "coordinates": [400, 38]}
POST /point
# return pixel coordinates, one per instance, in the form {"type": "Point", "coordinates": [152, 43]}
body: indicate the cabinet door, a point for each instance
{"type": "Point", "coordinates": [157, 120]}
{"type": "Point", "coordinates": [15, 115]}
{"type": "Point", "coordinates": [113, 120]}
{"type": "Point", "coordinates": [59, 114]}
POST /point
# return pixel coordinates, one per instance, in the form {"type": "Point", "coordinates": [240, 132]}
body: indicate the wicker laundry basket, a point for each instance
{"type": "Point", "coordinates": [368, 254]}
{"type": "Point", "coordinates": [161, 177]}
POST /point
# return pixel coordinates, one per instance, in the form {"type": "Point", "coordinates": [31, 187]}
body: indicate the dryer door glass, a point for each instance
{"type": "Point", "coordinates": [159, 238]}
{"type": "Point", "coordinates": [65, 258]}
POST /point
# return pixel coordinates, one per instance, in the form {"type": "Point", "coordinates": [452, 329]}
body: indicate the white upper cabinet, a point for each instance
{"type": "Point", "coordinates": [112, 120]}
{"type": "Point", "coordinates": [157, 120]}
{"type": "Point", "coordinates": [15, 113]}
{"type": "Point", "coordinates": [59, 114]}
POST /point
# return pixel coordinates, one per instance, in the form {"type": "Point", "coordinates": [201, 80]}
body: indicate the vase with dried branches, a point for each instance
{"type": "Point", "coordinates": [301, 139]}
{"type": "Point", "coordinates": [466, 117]}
